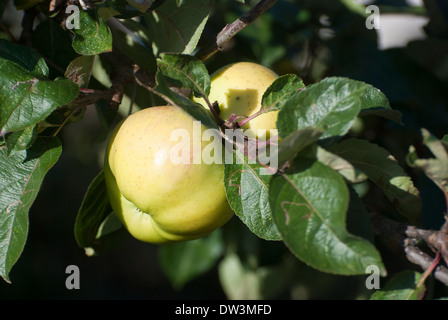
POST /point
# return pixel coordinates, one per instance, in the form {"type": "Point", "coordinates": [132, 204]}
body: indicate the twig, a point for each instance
{"type": "Point", "coordinates": [402, 238]}
{"type": "Point", "coordinates": [437, 240]}
{"type": "Point", "coordinates": [230, 30]}
{"type": "Point", "coordinates": [121, 74]}
{"type": "Point", "coordinates": [418, 257]}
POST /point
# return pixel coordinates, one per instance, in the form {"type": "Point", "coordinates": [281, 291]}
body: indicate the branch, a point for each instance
{"type": "Point", "coordinates": [416, 256]}
{"type": "Point", "coordinates": [232, 29]}
{"type": "Point", "coordinates": [402, 239]}
{"type": "Point", "coordinates": [437, 240]}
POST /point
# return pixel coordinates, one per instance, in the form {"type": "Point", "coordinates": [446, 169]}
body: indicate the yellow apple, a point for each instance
{"type": "Point", "coordinates": [238, 88]}
{"type": "Point", "coordinates": [156, 199]}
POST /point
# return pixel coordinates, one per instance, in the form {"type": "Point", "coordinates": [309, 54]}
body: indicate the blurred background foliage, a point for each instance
{"type": "Point", "coordinates": [406, 58]}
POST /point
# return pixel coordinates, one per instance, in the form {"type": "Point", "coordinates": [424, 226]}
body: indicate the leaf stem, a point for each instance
{"type": "Point", "coordinates": [246, 120]}
{"type": "Point", "coordinates": [431, 268]}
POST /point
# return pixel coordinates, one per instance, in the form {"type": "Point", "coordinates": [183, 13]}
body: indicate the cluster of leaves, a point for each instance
{"type": "Point", "coordinates": [307, 205]}
{"type": "Point", "coordinates": [312, 204]}
{"type": "Point", "coordinates": [35, 105]}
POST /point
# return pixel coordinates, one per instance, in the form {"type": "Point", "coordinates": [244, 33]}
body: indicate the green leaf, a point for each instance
{"type": "Point", "coordinates": [93, 36]}
{"type": "Point", "coordinates": [374, 102]}
{"type": "Point", "coordinates": [25, 57]}
{"type": "Point", "coordinates": [309, 205]}
{"type": "Point", "coordinates": [280, 90]}
{"type": "Point", "coordinates": [241, 282]}
{"type": "Point", "coordinates": [295, 142]}
{"type": "Point", "coordinates": [331, 105]}
{"type": "Point", "coordinates": [125, 9]}
{"type": "Point", "coordinates": [53, 43]}
{"type": "Point", "coordinates": [381, 168]}
{"type": "Point", "coordinates": [340, 165]}
{"type": "Point", "coordinates": [188, 70]}
{"type": "Point", "coordinates": [131, 38]}
{"type": "Point", "coordinates": [386, 113]}
{"type": "Point", "coordinates": [21, 176]}
{"type": "Point", "coordinates": [402, 286]}
{"type": "Point", "coordinates": [21, 140]}
{"type": "Point", "coordinates": [183, 261]}
{"type": "Point", "coordinates": [79, 70]}
{"type": "Point", "coordinates": [194, 109]}
{"type": "Point", "coordinates": [358, 219]}
{"type": "Point", "coordinates": [174, 28]}
{"type": "Point", "coordinates": [247, 192]}
{"type": "Point", "coordinates": [435, 168]}
{"type": "Point", "coordinates": [97, 229]}
{"type": "Point", "coordinates": [27, 98]}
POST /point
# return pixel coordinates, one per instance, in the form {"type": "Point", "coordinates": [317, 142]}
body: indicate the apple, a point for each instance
{"type": "Point", "coordinates": [238, 88]}
{"type": "Point", "coordinates": [157, 200]}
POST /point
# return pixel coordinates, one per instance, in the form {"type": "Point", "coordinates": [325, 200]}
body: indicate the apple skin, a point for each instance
{"type": "Point", "coordinates": [238, 88]}
{"type": "Point", "coordinates": [157, 200]}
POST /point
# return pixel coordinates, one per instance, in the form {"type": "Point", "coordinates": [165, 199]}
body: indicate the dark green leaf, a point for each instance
{"type": "Point", "coordinates": [247, 190]}
{"type": "Point", "coordinates": [331, 105]}
{"type": "Point", "coordinates": [295, 142]}
{"type": "Point", "coordinates": [131, 38]}
{"type": "Point", "coordinates": [80, 70]}
{"type": "Point", "coordinates": [384, 171]}
{"type": "Point", "coordinates": [174, 28]}
{"type": "Point", "coordinates": [21, 140]}
{"type": "Point", "coordinates": [241, 282]}
{"type": "Point", "coordinates": [435, 168]}
{"type": "Point", "coordinates": [196, 110]}
{"type": "Point", "coordinates": [25, 57]}
{"type": "Point", "coordinates": [28, 98]}
{"type": "Point", "coordinates": [53, 43]}
{"type": "Point", "coordinates": [402, 286]}
{"type": "Point", "coordinates": [340, 165]}
{"type": "Point", "coordinates": [183, 261]}
{"type": "Point", "coordinates": [387, 113]}
{"type": "Point", "coordinates": [188, 70]}
{"type": "Point", "coordinates": [93, 36]}
{"type": "Point", "coordinates": [358, 219]}
{"type": "Point", "coordinates": [309, 206]}
{"type": "Point", "coordinates": [21, 177]}
{"type": "Point", "coordinates": [97, 229]}
{"type": "Point", "coordinates": [280, 90]}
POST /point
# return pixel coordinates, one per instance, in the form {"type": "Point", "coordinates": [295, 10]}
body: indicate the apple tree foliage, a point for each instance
{"type": "Point", "coordinates": [314, 204]}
